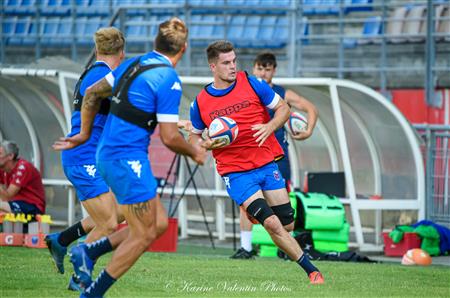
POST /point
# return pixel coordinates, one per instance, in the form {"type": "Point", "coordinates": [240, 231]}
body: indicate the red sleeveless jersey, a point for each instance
{"type": "Point", "coordinates": [242, 105]}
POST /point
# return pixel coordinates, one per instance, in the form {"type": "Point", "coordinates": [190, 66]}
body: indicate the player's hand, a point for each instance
{"type": "Point", "coordinates": [185, 125]}
{"type": "Point", "coordinates": [209, 144]}
{"type": "Point", "coordinates": [263, 131]}
{"type": "Point", "coordinates": [71, 142]}
{"type": "Point", "coordinates": [303, 135]}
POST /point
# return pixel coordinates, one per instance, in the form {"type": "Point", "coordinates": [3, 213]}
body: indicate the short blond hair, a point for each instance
{"type": "Point", "coordinates": [109, 41]}
{"type": "Point", "coordinates": [172, 36]}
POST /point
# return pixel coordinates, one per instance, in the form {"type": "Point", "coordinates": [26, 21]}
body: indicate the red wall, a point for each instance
{"type": "Point", "coordinates": [412, 103]}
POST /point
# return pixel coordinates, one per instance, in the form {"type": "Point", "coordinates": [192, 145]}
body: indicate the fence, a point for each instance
{"type": "Point", "coordinates": [436, 149]}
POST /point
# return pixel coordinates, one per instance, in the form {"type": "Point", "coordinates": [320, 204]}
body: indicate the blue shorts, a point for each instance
{"type": "Point", "coordinates": [285, 168]}
{"type": "Point", "coordinates": [23, 207]}
{"type": "Point", "coordinates": [131, 180]}
{"type": "Point", "coordinates": [241, 185]}
{"type": "Point", "coordinates": [86, 180]}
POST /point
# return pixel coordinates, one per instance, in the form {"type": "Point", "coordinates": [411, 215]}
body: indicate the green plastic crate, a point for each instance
{"type": "Point", "coordinates": [341, 235]}
{"type": "Point", "coordinates": [268, 251]}
{"type": "Point", "coordinates": [321, 211]}
{"type": "Point", "coordinates": [260, 235]}
{"type": "Point", "coordinates": [327, 246]}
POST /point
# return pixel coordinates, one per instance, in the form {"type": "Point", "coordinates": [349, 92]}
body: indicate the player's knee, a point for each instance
{"type": "Point", "coordinates": [285, 214]}
{"type": "Point", "coordinates": [259, 210]}
{"type": "Point", "coordinates": [273, 225]}
{"type": "Point", "coordinates": [161, 226]}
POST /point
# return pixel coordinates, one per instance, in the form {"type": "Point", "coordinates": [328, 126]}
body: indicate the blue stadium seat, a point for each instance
{"type": "Point", "coordinates": [250, 36]}
{"type": "Point", "coordinates": [320, 7]}
{"type": "Point", "coordinates": [64, 31]}
{"type": "Point", "coordinates": [236, 28]}
{"type": "Point", "coordinates": [281, 33]}
{"type": "Point", "coordinates": [358, 5]}
{"type": "Point", "coordinates": [373, 27]}
{"type": "Point", "coordinates": [267, 30]}
{"type": "Point", "coordinates": [49, 30]}
{"type": "Point", "coordinates": [55, 8]}
{"type": "Point", "coordinates": [8, 27]}
{"type": "Point", "coordinates": [20, 7]}
{"type": "Point", "coordinates": [22, 32]}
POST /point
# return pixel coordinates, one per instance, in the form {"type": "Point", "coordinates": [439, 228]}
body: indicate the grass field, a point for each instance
{"type": "Point", "coordinates": [201, 272]}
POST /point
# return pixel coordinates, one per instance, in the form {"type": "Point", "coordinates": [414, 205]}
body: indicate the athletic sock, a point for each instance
{"type": "Point", "coordinates": [246, 240]}
{"type": "Point", "coordinates": [99, 287]}
{"type": "Point", "coordinates": [71, 234]}
{"type": "Point", "coordinates": [98, 248]}
{"type": "Point", "coordinates": [306, 264]}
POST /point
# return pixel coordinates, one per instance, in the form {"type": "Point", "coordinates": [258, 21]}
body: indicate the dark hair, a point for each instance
{"type": "Point", "coordinates": [172, 36]}
{"type": "Point", "coordinates": [216, 48]}
{"type": "Point", "coordinates": [10, 148]}
{"type": "Point", "coordinates": [266, 59]}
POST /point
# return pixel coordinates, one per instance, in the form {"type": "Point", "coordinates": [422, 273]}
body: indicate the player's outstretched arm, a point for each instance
{"type": "Point", "coordinates": [264, 130]}
{"type": "Point", "coordinates": [174, 140]}
{"type": "Point", "coordinates": [302, 104]}
{"type": "Point", "coordinates": [91, 105]}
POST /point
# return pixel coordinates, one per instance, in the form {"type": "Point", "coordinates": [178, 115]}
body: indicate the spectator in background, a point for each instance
{"type": "Point", "coordinates": [21, 188]}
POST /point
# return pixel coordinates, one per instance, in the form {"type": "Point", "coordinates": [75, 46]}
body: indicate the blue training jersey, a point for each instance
{"type": "Point", "coordinates": [281, 133]}
{"type": "Point", "coordinates": [261, 88]}
{"type": "Point", "coordinates": [157, 91]}
{"type": "Point", "coordinates": [85, 153]}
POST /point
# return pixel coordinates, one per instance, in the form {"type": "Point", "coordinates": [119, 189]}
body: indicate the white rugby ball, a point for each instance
{"type": "Point", "coordinates": [297, 123]}
{"type": "Point", "coordinates": [223, 128]}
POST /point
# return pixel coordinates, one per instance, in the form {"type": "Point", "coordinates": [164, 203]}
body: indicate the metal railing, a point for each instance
{"type": "Point", "coordinates": [437, 153]}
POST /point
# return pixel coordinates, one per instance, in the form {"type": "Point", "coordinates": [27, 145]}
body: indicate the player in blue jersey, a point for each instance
{"type": "Point", "coordinates": [146, 91]}
{"type": "Point", "coordinates": [247, 164]}
{"type": "Point", "coordinates": [264, 67]}
{"type": "Point", "coordinates": [79, 163]}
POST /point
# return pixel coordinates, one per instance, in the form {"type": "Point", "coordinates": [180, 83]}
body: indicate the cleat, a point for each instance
{"type": "Point", "coordinates": [56, 250]}
{"type": "Point", "coordinates": [316, 278]}
{"type": "Point", "coordinates": [82, 265]}
{"type": "Point", "coordinates": [74, 285]}
{"type": "Point", "coordinates": [242, 254]}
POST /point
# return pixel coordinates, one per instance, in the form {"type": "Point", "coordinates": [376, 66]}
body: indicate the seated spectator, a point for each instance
{"type": "Point", "coordinates": [21, 189]}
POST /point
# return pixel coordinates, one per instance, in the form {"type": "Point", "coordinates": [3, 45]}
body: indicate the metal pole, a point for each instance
{"type": "Point", "coordinates": [383, 52]}
{"type": "Point", "coordinates": [341, 43]}
{"type": "Point", "coordinates": [73, 46]}
{"type": "Point", "coordinates": [430, 55]}
{"type": "Point", "coordinates": [2, 38]}
{"type": "Point", "coordinates": [293, 27]}
{"type": "Point", "coordinates": [38, 29]}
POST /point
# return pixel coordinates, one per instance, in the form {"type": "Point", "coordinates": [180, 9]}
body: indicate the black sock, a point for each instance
{"type": "Point", "coordinates": [71, 234]}
{"type": "Point", "coordinates": [99, 287]}
{"type": "Point", "coordinates": [98, 248]}
{"type": "Point", "coordinates": [306, 264]}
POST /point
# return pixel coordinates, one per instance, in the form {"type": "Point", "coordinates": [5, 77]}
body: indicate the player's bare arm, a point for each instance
{"type": "Point", "coordinates": [302, 104]}
{"type": "Point", "coordinates": [91, 105]}
{"type": "Point", "coordinates": [174, 140]}
{"type": "Point", "coordinates": [8, 193]}
{"type": "Point", "coordinates": [264, 130]}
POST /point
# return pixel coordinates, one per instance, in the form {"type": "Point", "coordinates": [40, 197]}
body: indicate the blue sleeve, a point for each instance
{"type": "Point", "coordinates": [168, 96]}
{"type": "Point", "coordinates": [196, 120]}
{"type": "Point", "coordinates": [120, 70]}
{"type": "Point", "coordinates": [262, 89]}
{"type": "Point", "coordinates": [93, 76]}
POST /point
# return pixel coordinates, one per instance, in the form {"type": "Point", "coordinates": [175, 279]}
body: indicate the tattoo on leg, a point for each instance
{"type": "Point", "coordinates": [139, 209]}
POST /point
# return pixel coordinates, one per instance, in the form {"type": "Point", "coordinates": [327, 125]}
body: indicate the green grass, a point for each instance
{"type": "Point", "coordinates": [201, 272]}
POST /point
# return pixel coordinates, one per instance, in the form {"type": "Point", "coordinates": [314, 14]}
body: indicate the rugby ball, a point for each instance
{"type": "Point", "coordinates": [416, 256]}
{"type": "Point", "coordinates": [223, 128]}
{"type": "Point", "coordinates": [297, 123]}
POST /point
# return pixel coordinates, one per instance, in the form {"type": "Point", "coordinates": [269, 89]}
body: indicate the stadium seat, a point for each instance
{"type": "Point", "coordinates": [414, 22]}
{"type": "Point", "coordinates": [55, 7]}
{"type": "Point", "coordinates": [49, 30]}
{"type": "Point", "coordinates": [372, 29]}
{"type": "Point", "coordinates": [394, 28]}
{"type": "Point", "coordinates": [64, 31]}
{"type": "Point", "coordinates": [236, 28]}
{"type": "Point", "coordinates": [444, 24]}
{"type": "Point", "coordinates": [22, 32]}
{"type": "Point", "coordinates": [251, 30]}
{"type": "Point", "coordinates": [358, 5]}
{"type": "Point", "coordinates": [8, 27]}
{"type": "Point", "coordinates": [20, 7]}
{"type": "Point", "coordinates": [267, 31]}
{"type": "Point", "coordinates": [281, 33]}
